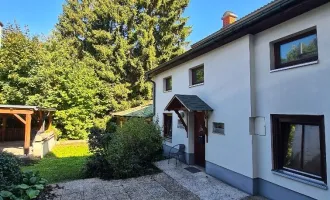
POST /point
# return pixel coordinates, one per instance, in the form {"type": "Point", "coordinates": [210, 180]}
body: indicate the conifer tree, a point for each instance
{"type": "Point", "coordinates": [122, 39]}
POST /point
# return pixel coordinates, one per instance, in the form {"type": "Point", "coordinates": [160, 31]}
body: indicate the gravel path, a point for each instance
{"type": "Point", "coordinates": [174, 183]}
{"type": "Point", "coordinates": [159, 186]}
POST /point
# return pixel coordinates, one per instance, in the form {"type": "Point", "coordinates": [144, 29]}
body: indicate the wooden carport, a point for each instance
{"type": "Point", "coordinates": [25, 114]}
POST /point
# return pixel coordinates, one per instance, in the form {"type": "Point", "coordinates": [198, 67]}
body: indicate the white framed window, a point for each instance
{"type": "Point", "coordinates": [167, 84]}
{"type": "Point", "coordinates": [196, 75]}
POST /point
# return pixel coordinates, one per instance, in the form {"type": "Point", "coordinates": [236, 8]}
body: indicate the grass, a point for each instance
{"type": "Point", "coordinates": [65, 162]}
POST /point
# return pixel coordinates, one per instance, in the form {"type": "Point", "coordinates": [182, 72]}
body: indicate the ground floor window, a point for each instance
{"type": "Point", "coordinates": [299, 145]}
{"type": "Point", "coordinates": [168, 125]}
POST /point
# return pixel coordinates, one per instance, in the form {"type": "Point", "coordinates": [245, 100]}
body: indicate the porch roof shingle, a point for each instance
{"type": "Point", "coordinates": [190, 102]}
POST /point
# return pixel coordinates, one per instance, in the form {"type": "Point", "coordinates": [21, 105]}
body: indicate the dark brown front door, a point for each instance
{"type": "Point", "coordinates": [199, 139]}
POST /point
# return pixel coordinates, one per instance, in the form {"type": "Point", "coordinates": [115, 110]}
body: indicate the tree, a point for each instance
{"type": "Point", "coordinates": [125, 38]}
{"type": "Point", "coordinates": [20, 59]}
{"type": "Point", "coordinates": [50, 73]}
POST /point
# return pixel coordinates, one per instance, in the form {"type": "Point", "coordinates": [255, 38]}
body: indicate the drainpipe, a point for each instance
{"type": "Point", "coordinates": [153, 95]}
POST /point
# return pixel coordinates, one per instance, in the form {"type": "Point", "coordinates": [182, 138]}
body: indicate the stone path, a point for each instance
{"type": "Point", "coordinates": [203, 185]}
{"type": "Point", "coordinates": [174, 183]}
{"type": "Point", "coordinates": [158, 186]}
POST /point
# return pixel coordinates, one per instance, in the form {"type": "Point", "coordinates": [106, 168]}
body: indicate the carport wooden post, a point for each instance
{"type": "Point", "coordinates": [27, 139]}
{"type": "Point", "coordinates": [3, 129]}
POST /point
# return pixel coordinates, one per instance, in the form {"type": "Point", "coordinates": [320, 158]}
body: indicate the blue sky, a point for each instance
{"type": "Point", "coordinates": [204, 15]}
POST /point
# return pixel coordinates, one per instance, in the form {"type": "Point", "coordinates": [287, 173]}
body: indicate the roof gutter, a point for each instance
{"type": "Point", "coordinates": [153, 95]}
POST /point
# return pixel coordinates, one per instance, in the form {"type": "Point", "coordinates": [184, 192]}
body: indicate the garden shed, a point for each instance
{"type": "Point", "coordinates": [22, 123]}
{"type": "Point", "coordinates": [143, 111]}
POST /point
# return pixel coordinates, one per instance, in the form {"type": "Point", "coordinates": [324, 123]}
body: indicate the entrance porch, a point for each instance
{"type": "Point", "coordinates": [193, 114]}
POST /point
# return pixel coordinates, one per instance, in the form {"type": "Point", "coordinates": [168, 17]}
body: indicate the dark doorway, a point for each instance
{"type": "Point", "coordinates": [168, 125]}
{"type": "Point", "coordinates": [199, 139]}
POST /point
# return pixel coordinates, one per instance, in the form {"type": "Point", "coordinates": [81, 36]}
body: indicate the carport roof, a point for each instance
{"type": "Point", "coordinates": [23, 107]}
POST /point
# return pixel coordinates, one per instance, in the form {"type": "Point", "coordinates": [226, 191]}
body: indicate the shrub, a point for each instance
{"type": "Point", "coordinates": [133, 148]}
{"type": "Point", "coordinates": [10, 172]}
{"type": "Point", "coordinates": [30, 187]}
{"type": "Point", "coordinates": [97, 165]}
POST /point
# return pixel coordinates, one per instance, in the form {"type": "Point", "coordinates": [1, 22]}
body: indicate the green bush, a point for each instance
{"type": "Point", "coordinates": [97, 165]}
{"type": "Point", "coordinates": [133, 148]}
{"type": "Point", "coordinates": [31, 184]}
{"type": "Point", "coordinates": [10, 172]}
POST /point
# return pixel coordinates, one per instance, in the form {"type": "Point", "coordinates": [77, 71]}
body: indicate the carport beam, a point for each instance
{"type": "Point", "coordinates": [4, 124]}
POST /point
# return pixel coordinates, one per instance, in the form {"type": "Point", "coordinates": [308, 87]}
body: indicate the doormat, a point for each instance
{"type": "Point", "coordinates": [192, 169]}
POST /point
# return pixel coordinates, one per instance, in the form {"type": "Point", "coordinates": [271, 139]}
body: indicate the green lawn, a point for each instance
{"type": "Point", "coordinates": [64, 162]}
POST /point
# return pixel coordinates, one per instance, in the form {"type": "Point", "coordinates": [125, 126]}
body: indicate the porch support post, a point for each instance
{"type": "Point", "coordinates": [3, 129]}
{"type": "Point", "coordinates": [41, 120]}
{"type": "Point", "coordinates": [206, 126]}
{"type": "Point", "coordinates": [182, 121]}
{"type": "Point", "coordinates": [50, 120]}
{"type": "Point", "coordinates": [27, 133]}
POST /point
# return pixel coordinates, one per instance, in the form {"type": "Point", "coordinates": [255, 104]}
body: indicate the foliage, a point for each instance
{"type": "Point", "coordinates": [123, 40]}
{"type": "Point", "coordinates": [133, 148]}
{"type": "Point", "coordinates": [95, 60]}
{"type": "Point", "coordinates": [99, 137]}
{"type": "Point", "coordinates": [29, 188]}
{"type": "Point", "coordinates": [49, 74]}
{"type": "Point", "coordinates": [64, 162]}
{"type": "Point", "coordinates": [10, 172]}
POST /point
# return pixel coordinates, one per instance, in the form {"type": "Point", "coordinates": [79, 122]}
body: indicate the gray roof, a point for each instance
{"type": "Point", "coordinates": [272, 14]}
{"type": "Point", "coordinates": [191, 103]}
{"type": "Point", "coordinates": [23, 107]}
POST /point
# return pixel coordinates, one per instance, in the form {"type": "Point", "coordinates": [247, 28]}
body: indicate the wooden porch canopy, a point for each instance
{"type": "Point", "coordinates": [190, 103]}
{"type": "Point", "coordinates": [24, 114]}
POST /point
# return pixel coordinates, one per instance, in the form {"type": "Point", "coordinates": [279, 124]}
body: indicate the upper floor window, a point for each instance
{"type": "Point", "coordinates": [197, 75]}
{"type": "Point", "coordinates": [296, 50]}
{"type": "Point", "coordinates": [168, 84]}
{"type": "Point", "coordinates": [299, 145]}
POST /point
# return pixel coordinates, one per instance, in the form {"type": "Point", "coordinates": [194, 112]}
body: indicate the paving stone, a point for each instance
{"type": "Point", "coordinates": [175, 183]}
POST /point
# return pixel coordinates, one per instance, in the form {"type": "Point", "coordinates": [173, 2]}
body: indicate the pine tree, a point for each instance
{"type": "Point", "coordinates": [123, 39]}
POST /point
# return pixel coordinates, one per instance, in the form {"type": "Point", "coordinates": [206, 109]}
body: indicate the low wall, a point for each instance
{"type": "Point", "coordinates": [42, 144]}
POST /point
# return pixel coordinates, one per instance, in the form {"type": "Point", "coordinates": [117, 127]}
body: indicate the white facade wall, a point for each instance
{"type": "Point", "coordinates": [226, 89]}
{"type": "Point", "coordinates": [238, 84]}
{"type": "Point", "coordinates": [303, 90]}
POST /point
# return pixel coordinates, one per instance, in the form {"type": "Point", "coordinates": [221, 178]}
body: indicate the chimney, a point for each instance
{"type": "Point", "coordinates": [1, 25]}
{"type": "Point", "coordinates": [228, 18]}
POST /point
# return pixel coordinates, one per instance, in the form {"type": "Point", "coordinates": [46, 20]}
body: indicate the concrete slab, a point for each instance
{"type": "Point", "coordinates": [201, 184]}
{"type": "Point", "coordinates": [158, 186]}
{"type": "Point", "coordinates": [174, 183]}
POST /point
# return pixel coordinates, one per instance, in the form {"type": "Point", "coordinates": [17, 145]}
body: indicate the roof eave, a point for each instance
{"type": "Point", "coordinates": [247, 25]}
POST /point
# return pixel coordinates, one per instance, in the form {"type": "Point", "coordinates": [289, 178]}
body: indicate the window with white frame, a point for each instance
{"type": "Point", "coordinates": [197, 75]}
{"type": "Point", "coordinates": [168, 84]}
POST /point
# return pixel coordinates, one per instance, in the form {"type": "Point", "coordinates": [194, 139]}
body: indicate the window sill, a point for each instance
{"type": "Point", "coordinates": [295, 66]}
{"type": "Point", "coordinates": [167, 91]}
{"type": "Point", "coordinates": [302, 179]}
{"type": "Point", "coordinates": [218, 133]}
{"type": "Point", "coordinates": [199, 84]}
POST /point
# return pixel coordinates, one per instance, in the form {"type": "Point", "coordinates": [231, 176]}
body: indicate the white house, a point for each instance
{"type": "Point", "coordinates": [254, 99]}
